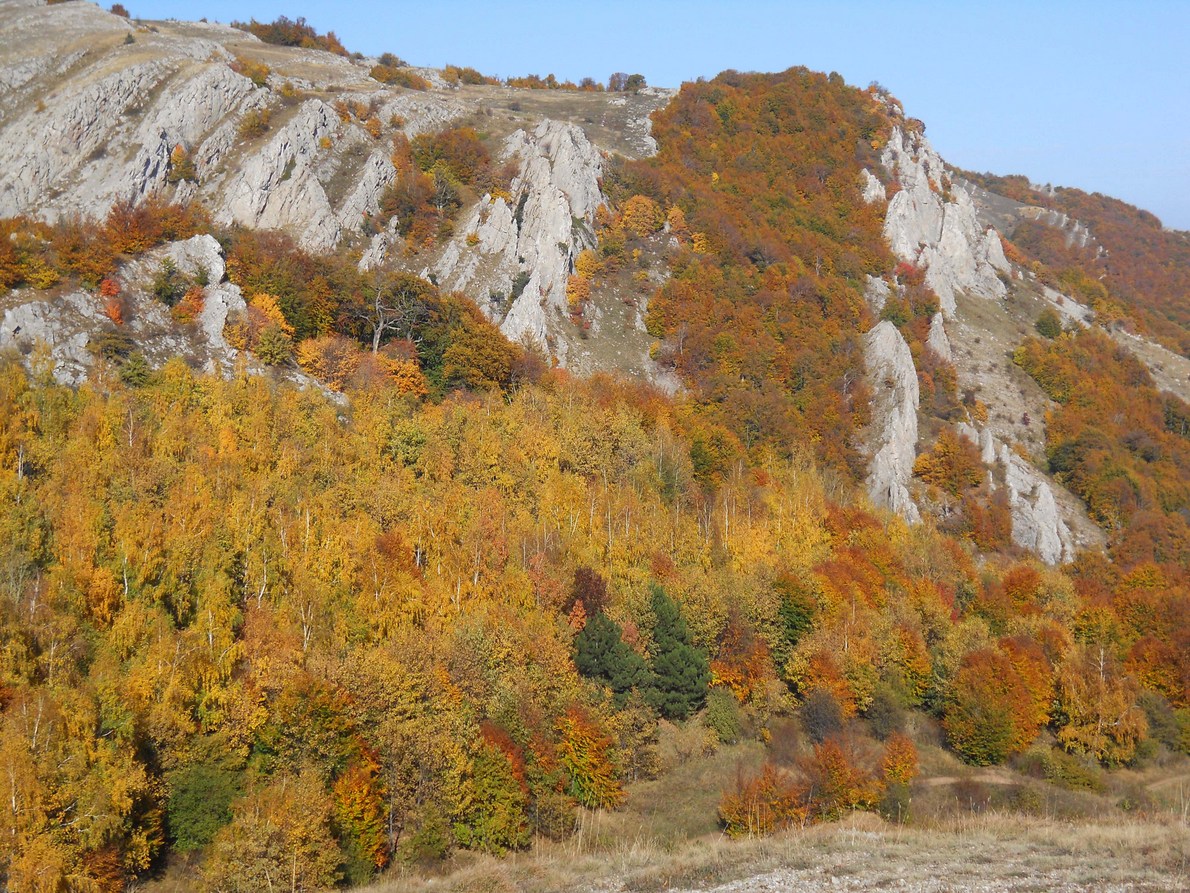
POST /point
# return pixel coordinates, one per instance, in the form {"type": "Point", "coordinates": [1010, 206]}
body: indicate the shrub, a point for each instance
{"type": "Point", "coordinates": [584, 753]}
{"type": "Point", "coordinates": [399, 77]}
{"type": "Point", "coordinates": [723, 716]}
{"type": "Point", "coordinates": [169, 285]}
{"type": "Point", "coordinates": [254, 123]}
{"type": "Point", "coordinates": [642, 215]}
{"type": "Point", "coordinates": [279, 832]}
{"type": "Point", "coordinates": [1048, 324]}
{"type": "Point", "coordinates": [257, 72]}
{"type": "Point", "coordinates": [135, 371]}
{"type": "Point", "coordinates": [762, 804]}
{"type": "Point", "coordinates": [821, 715]}
{"type": "Point", "coordinates": [199, 804]}
{"type": "Point", "coordinates": [497, 819]}
{"type": "Point", "coordinates": [836, 782]}
{"type": "Point", "coordinates": [886, 713]}
{"type": "Point", "coordinates": [899, 764]}
{"type": "Point", "coordinates": [181, 166]}
{"type": "Point", "coordinates": [274, 346]}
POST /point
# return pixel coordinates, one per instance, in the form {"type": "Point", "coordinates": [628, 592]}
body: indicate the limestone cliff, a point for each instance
{"type": "Point", "coordinates": [894, 410]}
{"type": "Point", "coordinates": [71, 324]}
{"type": "Point", "coordinates": [932, 225]}
{"type": "Point", "coordinates": [522, 258]}
{"type": "Point", "coordinates": [95, 105]}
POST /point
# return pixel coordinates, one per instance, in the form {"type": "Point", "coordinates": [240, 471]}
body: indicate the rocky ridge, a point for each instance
{"type": "Point", "coordinates": [894, 382]}
{"type": "Point", "coordinates": [935, 226]}
{"type": "Point", "coordinates": [555, 196]}
{"type": "Point", "coordinates": [96, 104]}
{"type": "Point", "coordinates": [931, 225]}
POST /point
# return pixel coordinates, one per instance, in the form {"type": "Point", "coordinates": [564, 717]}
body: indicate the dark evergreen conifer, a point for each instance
{"type": "Point", "coordinates": [681, 673]}
{"type": "Point", "coordinates": [601, 654]}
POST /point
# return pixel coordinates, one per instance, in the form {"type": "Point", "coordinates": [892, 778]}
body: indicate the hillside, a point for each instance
{"type": "Point", "coordinates": [401, 469]}
{"type": "Point", "coordinates": [1103, 251]}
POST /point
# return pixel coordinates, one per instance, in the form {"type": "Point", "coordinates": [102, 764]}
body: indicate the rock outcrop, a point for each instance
{"type": "Point", "coordinates": [1037, 521]}
{"type": "Point", "coordinates": [522, 252]}
{"type": "Point", "coordinates": [937, 340]}
{"type": "Point", "coordinates": [934, 226]}
{"type": "Point", "coordinates": [894, 383]}
{"type": "Point", "coordinates": [93, 106]}
{"type": "Point", "coordinates": [876, 292]}
{"type": "Point", "coordinates": [873, 190]}
{"type": "Point", "coordinates": [278, 188]}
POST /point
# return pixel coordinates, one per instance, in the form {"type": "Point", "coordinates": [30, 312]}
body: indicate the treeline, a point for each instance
{"type": "Point", "coordinates": [289, 33]}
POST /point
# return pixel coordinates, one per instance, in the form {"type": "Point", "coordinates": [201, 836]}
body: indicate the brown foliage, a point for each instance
{"type": "Point", "coordinates": [764, 803]}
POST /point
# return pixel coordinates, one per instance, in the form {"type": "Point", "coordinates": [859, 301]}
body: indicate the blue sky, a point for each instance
{"type": "Point", "coordinates": [1092, 94]}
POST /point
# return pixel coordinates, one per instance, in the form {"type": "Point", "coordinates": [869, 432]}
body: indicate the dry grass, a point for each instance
{"type": "Point", "coordinates": [665, 838]}
{"type": "Point", "coordinates": [991, 851]}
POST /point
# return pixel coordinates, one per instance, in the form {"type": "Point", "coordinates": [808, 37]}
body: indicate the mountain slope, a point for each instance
{"type": "Point", "coordinates": [799, 488]}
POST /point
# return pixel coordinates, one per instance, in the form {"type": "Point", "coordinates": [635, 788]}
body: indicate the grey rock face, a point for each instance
{"type": "Point", "coordinates": [67, 323]}
{"type": "Point", "coordinates": [894, 383]}
{"type": "Point", "coordinates": [1037, 522]}
{"type": "Point", "coordinates": [276, 188]}
{"type": "Point", "coordinates": [873, 189]}
{"type": "Point", "coordinates": [937, 340]}
{"type": "Point", "coordinates": [63, 326]}
{"type": "Point", "coordinates": [87, 120]}
{"type": "Point", "coordinates": [555, 196]}
{"type": "Point", "coordinates": [876, 292]}
{"type": "Point", "coordinates": [937, 231]}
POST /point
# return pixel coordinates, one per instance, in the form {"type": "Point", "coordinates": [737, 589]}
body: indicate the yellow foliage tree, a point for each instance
{"type": "Point", "coordinates": [642, 215]}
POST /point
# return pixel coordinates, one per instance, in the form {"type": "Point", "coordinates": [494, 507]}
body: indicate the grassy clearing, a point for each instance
{"type": "Point", "coordinates": [990, 851]}
{"type": "Point", "coordinates": [970, 829]}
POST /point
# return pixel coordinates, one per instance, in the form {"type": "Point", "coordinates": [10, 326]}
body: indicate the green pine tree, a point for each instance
{"type": "Point", "coordinates": [681, 673]}
{"type": "Point", "coordinates": [602, 655]}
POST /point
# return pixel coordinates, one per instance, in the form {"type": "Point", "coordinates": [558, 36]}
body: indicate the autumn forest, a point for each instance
{"type": "Point", "coordinates": [453, 598]}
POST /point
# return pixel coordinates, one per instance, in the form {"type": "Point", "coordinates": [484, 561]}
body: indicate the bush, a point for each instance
{"type": "Point", "coordinates": [257, 72]}
{"type": "Point", "coordinates": [764, 803]}
{"type": "Point", "coordinates": [399, 77]}
{"type": "Point", "coordinates": [169, 285]}
{"type": "Point", "coordinates": [886, 713]}
{"type": "Point", "coordinates": [723, 716]}
{"type": "Point", "coordinates": [286, 32]}
{"type": "Point", "coordinates": [1049, 324]}
{"type": "Point", "coordinates": [430, 841]}
{"type": "Point", "coordinates": [255, 123]}
{"type": "Point", "coordinates": [135, 371]}
{"type": "Point", "coordinates": [274, 346]}
{"type": "Point", "coordinates": [894, 803]}
{"type": "Point", "coordinates": [199, 804]}
{"type": "Point", "coordinates": [837, 784]}
{"type": "Point", "coordinates": [1169, 726]}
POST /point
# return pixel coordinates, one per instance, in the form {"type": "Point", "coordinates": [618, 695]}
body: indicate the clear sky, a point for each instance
{"type": "Point", "coordinates": [1090, 94]}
